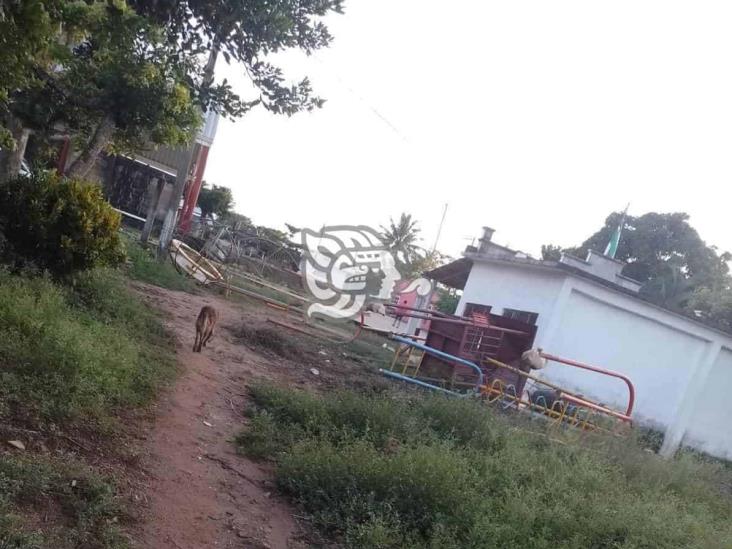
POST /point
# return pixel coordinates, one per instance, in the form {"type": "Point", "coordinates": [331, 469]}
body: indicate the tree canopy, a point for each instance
{"type": "Point", "coordinates": [402, 238]}
{"type": "Point", "coordinates": [126, 74]}
{"type": "Point", "coordinates": [677, 268]}
{"type": "Point", "coordinates": [215, 199]}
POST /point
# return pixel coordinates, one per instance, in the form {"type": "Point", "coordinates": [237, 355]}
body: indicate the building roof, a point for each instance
{"type": "Point", "coordinates": [456, 273]}
{"type": "Point", "coordinates": [453, 274]}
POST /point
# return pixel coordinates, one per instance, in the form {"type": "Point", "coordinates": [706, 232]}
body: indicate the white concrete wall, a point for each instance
{"type": "Point", "coordinates": [659, 358]}
{"type": "Point", "coordinates": [683, 381]}
{"type": "Point", "coordinates": [515, 288]}
{"type": "Point", "coordinates": [709, 426]}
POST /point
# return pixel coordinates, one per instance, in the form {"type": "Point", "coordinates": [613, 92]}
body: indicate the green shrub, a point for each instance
{"type": "Point", "coordinates": [72, 353]}
{"type": "Point", "coordinates": [422, 486]}
{"type": "Point", "coordinates": [59, 225]}
{"type": "Point", "coordinates": [344, 415]}
{"type": "Point", "coordinates": [408, 470]}
{"type": "Point", "coordinates": [70, 356]}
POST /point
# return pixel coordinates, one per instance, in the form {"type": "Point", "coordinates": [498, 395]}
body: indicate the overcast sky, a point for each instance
{"type": "Point", "coordinates": [536, 118]}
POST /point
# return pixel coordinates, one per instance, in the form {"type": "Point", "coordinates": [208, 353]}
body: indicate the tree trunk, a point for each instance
{"type": "Point", "coordinates": [101, 138]}
{"type": "Point", "coordinates": [11, 160]}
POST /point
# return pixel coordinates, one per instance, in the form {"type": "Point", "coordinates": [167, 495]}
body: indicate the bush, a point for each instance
{"type": "Point", "coordinates": [80, 352]}
{"type": "Point", "coordinates": [59, 225]}
{"type": "Point", "coordinates": [408, 471]}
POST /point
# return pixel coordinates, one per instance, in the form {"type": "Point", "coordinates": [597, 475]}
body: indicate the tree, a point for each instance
{"type": "Point", "coordinates": [652, 243]}
{"type": "Point", "coordinates": [677, 269]}
{"type": "Point", "coordinates": [246, 31]}
{"type": "Point", "coordinates": [122, 74]}
{"type": "Point", "coordinates": [448, 300]}
{"type": "Point", "coordinates": [401, 238]}
{"type": "Point", "coordinates": [125, 89]}
{"type": "Point", "coordinates": [550, 252]}
{"type": "Point", "coordinates": [421, 262]}
{"type": "Point", "coordinates": [215, 200]}
{"type": "Point", "coordinates": [28, 30]}
{"type": "Point", "coordinates": [713, 305]}
{"type": "Point", "coordinates": [109, 78]}
{"type": "Point", "coordinates": [236, 220]}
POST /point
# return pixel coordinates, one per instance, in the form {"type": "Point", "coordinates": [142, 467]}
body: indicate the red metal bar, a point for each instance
{"type": "Point", "coordinates": [191, 199]}
{"type": "Point", "coordinates": [563, 394]}
{"type": "Point", "coordinates": [626, 379]}
{"type": "Point", "coordinates": [455, 320]}
{"type": "Point", "coordinates": [63, 156]}
{"type": "Point", "coordinates": [430, 311]}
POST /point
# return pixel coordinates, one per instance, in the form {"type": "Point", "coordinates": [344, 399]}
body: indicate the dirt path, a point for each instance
{"type": "Point", "coordinates": [201, 494]}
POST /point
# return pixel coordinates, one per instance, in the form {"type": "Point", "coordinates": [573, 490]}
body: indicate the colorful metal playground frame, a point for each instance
{"type": "Point", "coordinates": [567, 408]}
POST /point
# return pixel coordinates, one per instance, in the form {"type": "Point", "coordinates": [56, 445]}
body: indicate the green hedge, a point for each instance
{"type": "Point", "coordinates": [59, 225]}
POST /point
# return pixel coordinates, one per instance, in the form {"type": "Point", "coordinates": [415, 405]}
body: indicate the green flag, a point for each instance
{"type": "Point", "coordinates": [612, 246]}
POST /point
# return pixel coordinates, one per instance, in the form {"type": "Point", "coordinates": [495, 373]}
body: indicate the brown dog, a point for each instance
{"type": "Point", "coordinates": [204, 327]}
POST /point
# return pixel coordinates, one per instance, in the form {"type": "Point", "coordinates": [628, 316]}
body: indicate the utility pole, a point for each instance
{"type": "Point", "coordinates": [439, 229]}
{"type": "Point", "coordinates": [183, 171]}
{"type": "Point", "coordinates": [185, 168]}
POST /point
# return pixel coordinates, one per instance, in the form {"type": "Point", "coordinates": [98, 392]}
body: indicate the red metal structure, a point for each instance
{"type": "Point", "coordinates": [626, 379]}
{"type": "Point", "coordinates": [194, 188]}
{"type": "Point", "coordinates": [478, 338]}
{"type": "Point", "coordinates": [493, 345]}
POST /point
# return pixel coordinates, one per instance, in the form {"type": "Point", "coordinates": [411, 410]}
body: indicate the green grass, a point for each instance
{"type": "Point", "coordinates": [77, 353]}
{"type": "Point", "coordinates": [71, 358]}
{"type": "Point", "coordinates": [85, 510]}
{"type": "Point", "coordinates": [144, 266]}
{"type": "Point", "coordinates": [392, 470]}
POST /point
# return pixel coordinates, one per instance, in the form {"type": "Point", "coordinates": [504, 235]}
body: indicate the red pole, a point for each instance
{"type": "Point", "coordinates": [626, 379]}
{"type": "Point", "coordinates": [189, 205]}
{"type": "Point", "coordinates": [63, 156]}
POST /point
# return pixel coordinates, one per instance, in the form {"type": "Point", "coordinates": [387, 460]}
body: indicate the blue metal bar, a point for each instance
{"type": "Point", "coordinates": [441, 354]}
{"type": "Point", "coordinates": [408, 379]}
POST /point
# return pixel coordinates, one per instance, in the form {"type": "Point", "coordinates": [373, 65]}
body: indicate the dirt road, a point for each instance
{"type": "Point", "coordinates": [202, 495]}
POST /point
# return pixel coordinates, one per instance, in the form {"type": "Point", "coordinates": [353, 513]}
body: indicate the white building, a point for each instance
{"type": "Point", "coordinates": [587, 311]}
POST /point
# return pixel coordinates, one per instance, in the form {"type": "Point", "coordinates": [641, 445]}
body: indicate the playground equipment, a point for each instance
{"type": "Point", "coordinates": [481, 355]}
{"type": "Point", "coordinates": [478, 355]}
{"type": "Point", "coordinates": [190, 262]}
{"type": "Point", "coordinates": [231, 278]}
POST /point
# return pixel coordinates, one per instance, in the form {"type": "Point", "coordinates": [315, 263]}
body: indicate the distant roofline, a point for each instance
{"type": "Point", "coordinates": [568, 270]}
{"type": "Point", "coordinates": [607, 257]}
{"type": "Point", "coordinates": [557, 267]}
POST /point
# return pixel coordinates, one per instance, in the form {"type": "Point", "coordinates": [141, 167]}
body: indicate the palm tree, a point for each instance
{"type": "Point", "coordinates": [401, 238]}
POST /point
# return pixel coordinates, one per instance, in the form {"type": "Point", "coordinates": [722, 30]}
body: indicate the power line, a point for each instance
{"type": "Point", "coordinates": [358, 96]}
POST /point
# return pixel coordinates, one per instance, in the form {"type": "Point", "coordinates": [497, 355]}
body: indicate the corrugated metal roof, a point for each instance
{"type": "Point", "coordinates": [164, 158]}
{"type": "Point", "coordinates": [168, 159]}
